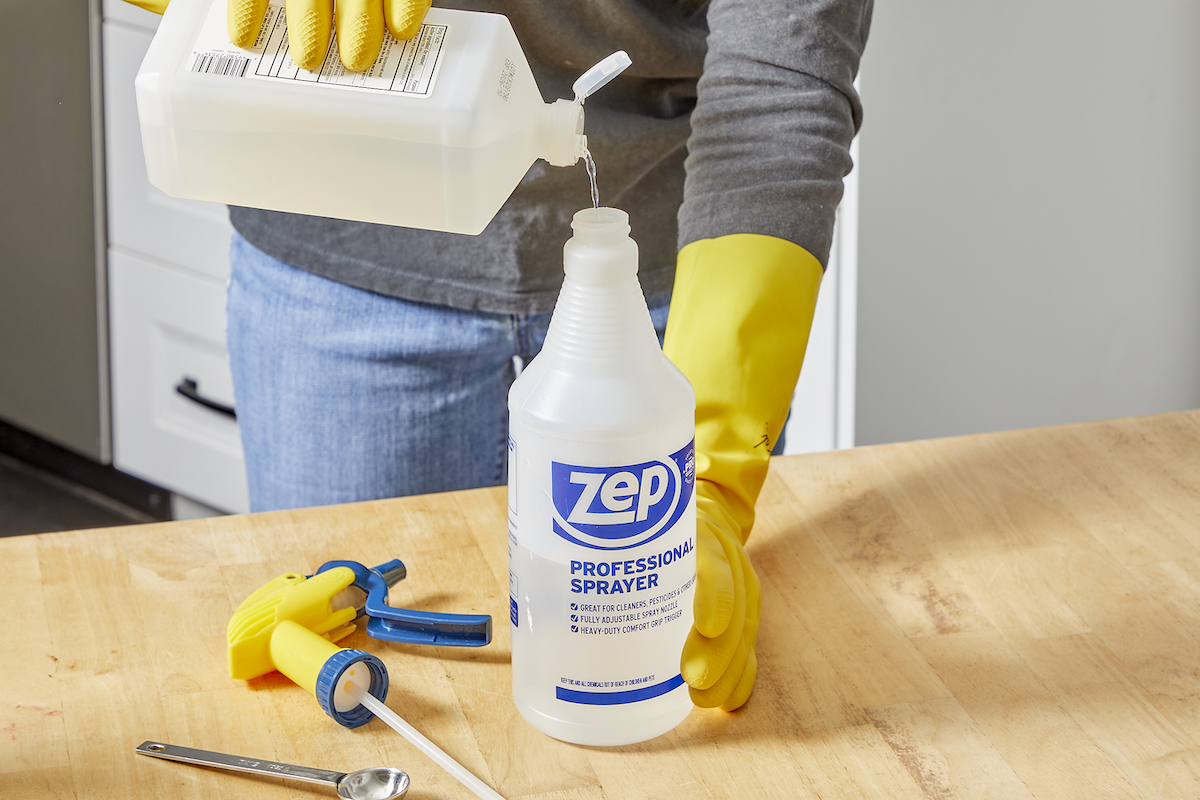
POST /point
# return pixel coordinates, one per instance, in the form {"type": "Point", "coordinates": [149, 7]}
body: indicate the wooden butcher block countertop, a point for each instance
{"type": "Point", "coordinates": [1008, 615]}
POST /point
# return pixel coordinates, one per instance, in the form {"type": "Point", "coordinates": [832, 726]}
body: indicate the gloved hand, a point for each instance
{"type": "Point", "coordinates": [360, 26]}
{"type": "Point", "coordinates": [157, 6]}
{"type": "Point", "coordinates": [741, 312]}
{"type": "Point", "coordinates": [718, 661]}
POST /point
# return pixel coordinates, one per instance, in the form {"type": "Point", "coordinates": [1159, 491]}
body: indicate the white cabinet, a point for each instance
{"type": "Point", "coordinates": [167, 262]}
{"type": "Point", "coordinates": [184, 233]}
{"type": "Point", "coordinates": [172, 389]}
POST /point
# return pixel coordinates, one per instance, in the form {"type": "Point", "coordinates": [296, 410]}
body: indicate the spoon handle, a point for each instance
{"type": "Point", "coordinates": [255, 766]}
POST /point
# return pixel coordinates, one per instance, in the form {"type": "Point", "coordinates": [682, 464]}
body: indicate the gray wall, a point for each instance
{"type": "Point", "coordinates": [1030, 215]}
{"type": "Point", "coordinates": [53, 350]}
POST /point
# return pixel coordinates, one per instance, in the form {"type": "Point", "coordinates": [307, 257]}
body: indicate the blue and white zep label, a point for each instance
{"type": "Point", "coordinates": [616, 508]}
{"type": "Point", "coordinates": [600, 587]}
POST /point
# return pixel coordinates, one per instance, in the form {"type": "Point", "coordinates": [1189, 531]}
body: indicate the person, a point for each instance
{"type": "Point", "coordinates": [372, 361]}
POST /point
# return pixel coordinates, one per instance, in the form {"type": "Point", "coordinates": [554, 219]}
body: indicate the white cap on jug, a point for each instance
{"type": "Point", "coordinates": [587, 83]}
{"type": "Point", "coordinates": [564, 142]}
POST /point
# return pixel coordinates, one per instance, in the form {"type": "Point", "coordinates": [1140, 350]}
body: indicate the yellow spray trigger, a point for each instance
{"type": "Point", "coordinates": [291, 597]}
{"type": "Point", "coordinates": [290, 625]}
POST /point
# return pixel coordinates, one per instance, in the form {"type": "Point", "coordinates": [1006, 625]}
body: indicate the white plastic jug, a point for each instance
{"type": "Point", "coordinates": [435, 135]}
{"type": "Point", "coordinates": [601, 508]}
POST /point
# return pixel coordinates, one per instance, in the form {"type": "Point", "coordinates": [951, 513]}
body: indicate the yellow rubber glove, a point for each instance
{"type": "Point", "coordinates": [157, 6]}
{"type": "Point", "coordinates": [741, 312]}
{"type": "Point", "coordinates": [360, 25]}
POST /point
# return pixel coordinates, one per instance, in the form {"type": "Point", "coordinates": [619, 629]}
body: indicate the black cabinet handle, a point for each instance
{"type": "Point", "coordinates": [188, 388]}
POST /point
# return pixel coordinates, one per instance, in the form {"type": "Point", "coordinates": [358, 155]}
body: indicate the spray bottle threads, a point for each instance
{"type": "Point", "coordinates": [610, 224]}
{"type": "Point", "coordinates": [592, 326]}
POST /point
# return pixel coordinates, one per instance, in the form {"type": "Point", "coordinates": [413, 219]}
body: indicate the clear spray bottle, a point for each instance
{"type": "Point", "coordinates": [602, 515]}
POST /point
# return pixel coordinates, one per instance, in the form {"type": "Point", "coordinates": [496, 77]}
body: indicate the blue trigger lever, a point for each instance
{"type": "Point", "coordinates": [405, 625]}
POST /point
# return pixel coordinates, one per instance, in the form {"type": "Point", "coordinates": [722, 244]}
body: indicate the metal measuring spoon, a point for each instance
{"type": "Point", "coordinates": [375, 783]}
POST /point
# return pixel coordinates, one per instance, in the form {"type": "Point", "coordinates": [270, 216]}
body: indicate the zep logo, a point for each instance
{"type": "Point", "coordinates": [615, 508]}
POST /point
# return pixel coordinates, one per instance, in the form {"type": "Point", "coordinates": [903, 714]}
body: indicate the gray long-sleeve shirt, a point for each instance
{"type": "Point", "coordinates": [736, 117]}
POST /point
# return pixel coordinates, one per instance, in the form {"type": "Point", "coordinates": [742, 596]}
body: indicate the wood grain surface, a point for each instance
{"type": "Point", "coordinates": [1013, 615]}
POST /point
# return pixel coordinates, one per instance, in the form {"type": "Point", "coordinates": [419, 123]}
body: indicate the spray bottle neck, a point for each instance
{"type": "Point", "coordinates": [600, 253]}
{"type": "Point", "coordinates": [601, 314]}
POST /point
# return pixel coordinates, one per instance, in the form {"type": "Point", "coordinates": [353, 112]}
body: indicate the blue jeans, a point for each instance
{"type": "Point", "coordinates": [345, 395]}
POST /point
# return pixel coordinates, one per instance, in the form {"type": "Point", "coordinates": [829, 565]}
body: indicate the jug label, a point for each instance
{"type": "Point", "coordinates": [408, 68]}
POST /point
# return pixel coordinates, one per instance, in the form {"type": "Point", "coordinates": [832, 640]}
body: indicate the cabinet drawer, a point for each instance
{"type": "Point", "coordinates": [168, 332]}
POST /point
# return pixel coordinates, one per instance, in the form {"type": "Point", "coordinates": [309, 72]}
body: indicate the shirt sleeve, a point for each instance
{"type": "Point", "coordinates": [775, 114]}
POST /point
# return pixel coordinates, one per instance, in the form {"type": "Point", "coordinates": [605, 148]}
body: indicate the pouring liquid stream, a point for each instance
{"type": "Point", "coordinates": [591, 171]}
